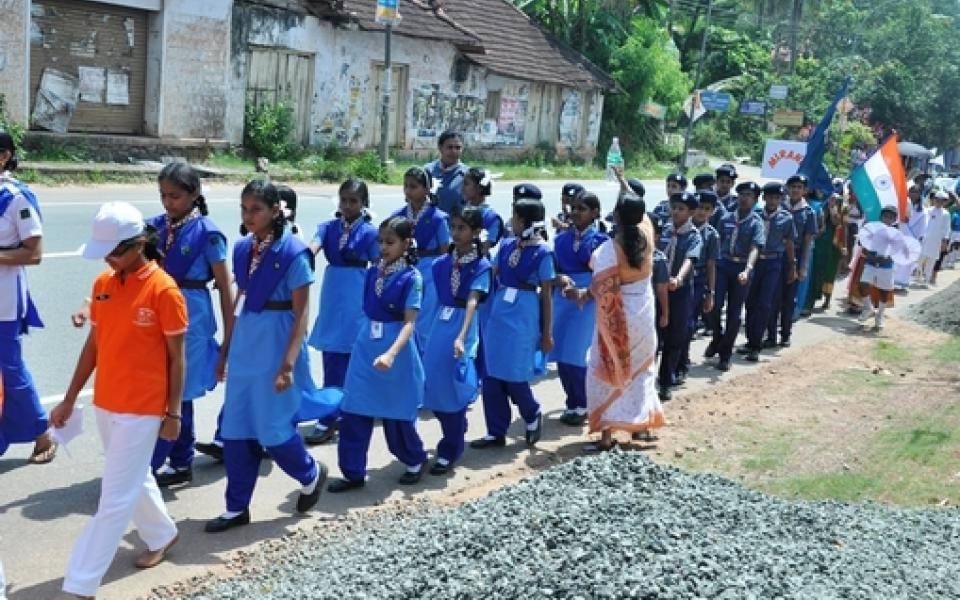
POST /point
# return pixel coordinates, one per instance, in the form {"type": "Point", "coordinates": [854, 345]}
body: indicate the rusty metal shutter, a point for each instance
{"type": "Point", "coordinates": [110, 44]}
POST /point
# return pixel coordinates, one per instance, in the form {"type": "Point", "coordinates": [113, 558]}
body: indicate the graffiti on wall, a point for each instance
{"type": "Point", "coordinates": [434, 112]}
{"type": "Point", "coordinates": [343, 122]}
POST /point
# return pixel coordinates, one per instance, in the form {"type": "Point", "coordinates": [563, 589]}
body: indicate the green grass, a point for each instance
{"type": "Point", "coordinates": [772, 451]}
{"type": "Point", "coordinates": [850, 382]}
{"type": "Point", "coordinates": [949, 351]}
{"type": "Point", "coordinates": [844, 486]}
{"type": "Point", "coordinates": [890, 352]}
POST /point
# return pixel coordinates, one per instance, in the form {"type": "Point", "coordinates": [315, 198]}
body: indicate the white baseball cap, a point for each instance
{"type": "Point", "coordinates": [115, 222]}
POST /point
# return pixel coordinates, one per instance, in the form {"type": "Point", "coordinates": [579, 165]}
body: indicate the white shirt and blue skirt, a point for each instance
{"type": "Point", "coordinates": [190, 253]}
{"type": "Point", "coordinates": [512, 334]}
{"type": "Point", "coordinates": [573, 326]}
{"type": "Point", "coordinates": [393, 396]}
{"type": "Point", "coordinates": [452, 384]}
{"type": "Point", "coordinates": [254, 413]}
{"type": "Point", "coordinates": [432, 232]}
{"type": "Point", "coordinates": [22, 418]}
{"type": "Point", "coordinates": [349, 248]}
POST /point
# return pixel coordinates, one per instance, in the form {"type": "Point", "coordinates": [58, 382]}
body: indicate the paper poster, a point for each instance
{"type": "Point", "coordinates": [118, 87]}
{"type": "Point", "coordinates": [93, 82]}
{"type": "Point", "coordinates": [782, 158]}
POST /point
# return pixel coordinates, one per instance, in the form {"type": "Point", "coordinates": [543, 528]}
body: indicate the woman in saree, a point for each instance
{"type": "Point", "coordinates": [827, 251]}
{"type": "Point", "coordinates": [621, 374]}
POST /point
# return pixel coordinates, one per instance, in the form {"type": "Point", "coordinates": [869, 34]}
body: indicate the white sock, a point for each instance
{"type": "Point", "coordinates": [580, 411]}
{"type": "Point", "coordinates": [319, 427]}
{"type": "Point", "coordinates": [230, 514]}
{"type": "Point", "coordinates": [867, 305]}
{"type": "Point", "coordinates": [533, 426]}
{"type": "Point", "coordinates": [415, 469]}
{"type": "Point", "coordinates": [310, 487]}
{"type": "Point", "coordinates": [440, 461]}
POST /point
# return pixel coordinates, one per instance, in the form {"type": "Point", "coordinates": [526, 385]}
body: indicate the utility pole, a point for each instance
{"type": "Point", "coordinates": [387, 85]}
{"type": "Point", "coordinates": [696, 87]}
{"type": "Point", "coordinates": [795, 34]}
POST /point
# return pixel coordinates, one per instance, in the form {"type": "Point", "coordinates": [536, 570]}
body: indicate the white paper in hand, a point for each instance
{"type": "Point", "coordinates": [71, 429]}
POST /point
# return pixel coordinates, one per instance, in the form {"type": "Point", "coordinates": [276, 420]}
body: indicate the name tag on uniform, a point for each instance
{"type": "Point", "coordinates": [510, 295]}
{"type": "Point", "coordinates": [376, 330]}
{"type": "Point", "coordinates": [239, 308]}
{"type": "Point", "coordinates": [446, 313]}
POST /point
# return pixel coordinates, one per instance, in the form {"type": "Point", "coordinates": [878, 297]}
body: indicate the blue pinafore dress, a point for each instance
{"type": "Point", "coordinates": [340, 317]}
{"type": "Point", "coordinates": [431, 232]}
{"type": "Point", "coordinates": [451, 383]}
{"type": "Point", "coordinates": [512, 333]}
{"type": "Point", "coordinates": [572, 326]}
{"type": "Point", "coordinates": [197, 245]}
{"type": "Point", "coordinates": [397, 393]}
{"type": "Point", "coordinates": [253, 409]}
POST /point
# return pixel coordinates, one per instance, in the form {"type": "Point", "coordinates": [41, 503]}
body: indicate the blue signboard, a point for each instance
{"type": "Point", "coordinates": [716, 101]}
{"type": "Point", "coordinates": [753, 107]}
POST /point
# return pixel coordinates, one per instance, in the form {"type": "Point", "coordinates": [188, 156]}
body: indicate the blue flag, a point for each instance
{"type": "Point", "coordinates": [812, 165]}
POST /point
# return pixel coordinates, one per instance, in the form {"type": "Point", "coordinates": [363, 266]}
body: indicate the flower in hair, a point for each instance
{"type": "Point", "coordinates": [286, 212]}
{"type": "Point", "coordinates": [486, 179]}
{"type": "Point", "coordinates": [434, 186]}
{"type": "Point", "coordinates": [484, 236]}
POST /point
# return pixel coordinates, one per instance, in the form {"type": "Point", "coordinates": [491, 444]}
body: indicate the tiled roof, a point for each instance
{"type": "Point", "coordinates": [491, 33]}
{"type": "Point", "coordinates": [515, 46]}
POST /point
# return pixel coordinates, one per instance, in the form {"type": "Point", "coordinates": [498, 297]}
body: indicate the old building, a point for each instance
{"type": "Point", "coordinates": [187, 70]}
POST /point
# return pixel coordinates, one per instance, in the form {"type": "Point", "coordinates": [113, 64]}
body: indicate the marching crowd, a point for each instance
{"type": "Point", "coordinates": [442, 303]}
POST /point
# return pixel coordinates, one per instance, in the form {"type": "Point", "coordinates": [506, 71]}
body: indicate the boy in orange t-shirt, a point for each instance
{"type": "Point", "coordinates": [139, 318]}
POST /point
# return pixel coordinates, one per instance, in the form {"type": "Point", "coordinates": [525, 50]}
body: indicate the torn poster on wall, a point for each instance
{"type": "Point", "coordinates": [435, 111]}
{"type": "Point", "coordinates": [93, 82]}
{"type": "Point", "coordinates": [118, 87]}
{"type": "Point", "coordinates": [570, 118]}
{"type": "Point", "coordinates": [512, 121]}
{"type": "Point", "coordinates": [57, 100]}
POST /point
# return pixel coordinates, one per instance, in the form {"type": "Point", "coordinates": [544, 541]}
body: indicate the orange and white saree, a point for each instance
{"type": "Point", "coordinates": [621, 374]}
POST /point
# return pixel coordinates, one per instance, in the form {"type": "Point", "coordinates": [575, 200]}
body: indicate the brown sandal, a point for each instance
{"type": "Point", "coordinates": [45, 455]}
{"type": "Point", "coordinates": [152, 558]}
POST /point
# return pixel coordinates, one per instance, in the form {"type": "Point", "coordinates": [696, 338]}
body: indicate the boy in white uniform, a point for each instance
{"type": "Point", "coordinates": [936, 236]}
{"type": "Point", "coordinates": [880, 242]}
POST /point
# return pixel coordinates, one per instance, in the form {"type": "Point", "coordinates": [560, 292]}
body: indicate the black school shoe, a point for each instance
{"type": "Point", "coordinates": [439, 468]}
{"type": "Point", "coordinates": [785, 341]}
{"type": "Point", "coordinates": [318, 437]}
{"type": "Point", "coordinates": [752, 356]}
{"type": "Point", "coordinates": [664, 393]}
{"type": "Point", "coordinates": [307, 501]}
{"type": "Point", "coordinates": [177, 477]}
{"type": "Point", "coordinates": [769, 343]}
{"type": "Point", "coordinates": [221, 524]}
{"type": "Point", "coordinates": [744, 349]}
{"type": "Point", "coordinates": [343, 485]}
{"type": "Point", "coordinates": [573, 418]}
{"type": "Point", "coordinates": [489, 442]}
{"type": "Point", "coordinates": [410, 478]}
{"type": "Point", "coordinates": [210, 449]}
{"type": "Point", "coordinates": [533, 437]}
{"type": "Point", "coordinates": [711, 350]}
{"type": "Point", "coordinates": [723, 365]}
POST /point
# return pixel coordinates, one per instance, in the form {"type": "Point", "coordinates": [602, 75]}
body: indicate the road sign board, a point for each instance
{"type": "Point", "coordinates": [778, 92]}
{"type": "Point", "coordinates": [716, 101]}
{"type": "Point", "coordinates": [788, 118]}
{"type": "Point", "coordinates": [654, 110]}
{"type": "Point", "coordinates": [753, 107]}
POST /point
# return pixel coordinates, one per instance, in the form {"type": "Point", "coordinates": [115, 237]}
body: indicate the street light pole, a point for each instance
{"type": "Point", "coordinates": [387, 86]}
{"type": "Point", "coordinates": [696, 87]}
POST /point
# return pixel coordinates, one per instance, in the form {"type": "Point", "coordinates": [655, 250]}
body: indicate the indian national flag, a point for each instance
{"type": "Point", "coordinates": [881, 181]}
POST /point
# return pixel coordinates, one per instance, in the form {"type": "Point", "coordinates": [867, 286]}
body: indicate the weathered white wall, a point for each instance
{"type": "Point", "coordinates": [195, 60]}
{"type": "Point", "coordinates": [15, 58]}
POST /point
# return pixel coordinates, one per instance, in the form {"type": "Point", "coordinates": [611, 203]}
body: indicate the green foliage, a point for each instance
{"type": "Point", "coordinates": [336, 166]}
{"type": "Point", "coordinates": [646, 70]}
{"type": "Point", "coordinates": [6, 124]}
{"type": "Point", "coordinates": [268, 129]}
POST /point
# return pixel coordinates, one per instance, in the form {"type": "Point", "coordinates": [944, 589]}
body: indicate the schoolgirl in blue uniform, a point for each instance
{"type": "Point", "coordinates": [520, 326]}
{"type": "Point", "coordinates": [385, 379]}
{"type": "Point", "coordinates": [477, 187]}
{"type": "Point", "coordinates": [195, 252]}
{"type": "Point", "coordinates": [463, 280]}
{"type": "Point", "coordinates": [432, 235]}
{"type": "Point", "coordinates": [22, 418]}
{"type": "Point", "coordinates": [349, 243]}
{"type": "Point", "coordinates": [269, 387]}
{"type": "Point", "coordinates": [680, 241]}
{"type": "Point", "coordinates": [574, 310]}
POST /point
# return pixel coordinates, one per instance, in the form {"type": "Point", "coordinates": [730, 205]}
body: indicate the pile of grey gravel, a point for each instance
{"type": "Point", "coordinates": [940, 311]}
{"type": "Point", "coordinates": [620, 526]}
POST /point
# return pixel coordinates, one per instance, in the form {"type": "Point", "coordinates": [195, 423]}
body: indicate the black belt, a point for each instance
{"type": "Point", "coordinates": [523, 286]}
{"type": "Point", "coordinates": [11, 247]}
{"type": "Point", "coordinates": [884, 262]}
{"type": "Point", "coordinates": [771, 255]}
{"type": "Point", "coordinates": [361, 264]}
{"type": "Point", "coordinates": [278, 305]}
{"type": "Point", "coordinates": [458, 303]}
{"type": "Point", "coordinates": [192, 284]}
{"type": "Point", "coordinates": [737, 259]}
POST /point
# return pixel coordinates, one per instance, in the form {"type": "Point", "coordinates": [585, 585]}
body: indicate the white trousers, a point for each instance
{"type": "Point", "coordinates": [127, 491]}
